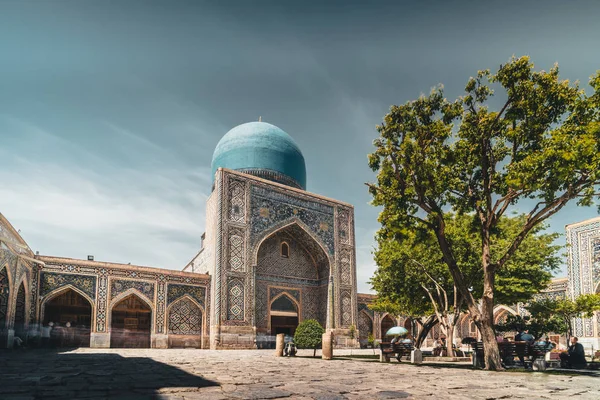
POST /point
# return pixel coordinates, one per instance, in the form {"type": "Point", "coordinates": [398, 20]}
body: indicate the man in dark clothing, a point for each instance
{"type": "Point", "coordinates": [524, 336]}
{"type": "Point", "coordinates": [574, 357]}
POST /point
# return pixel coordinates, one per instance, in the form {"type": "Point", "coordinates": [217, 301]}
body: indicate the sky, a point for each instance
{"type": "Point", "coordinates": [110, 110]}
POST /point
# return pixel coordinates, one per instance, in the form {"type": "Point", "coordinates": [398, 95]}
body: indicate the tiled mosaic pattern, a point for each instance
{"type": "Point", "coordinates": [235, 304]}
{"type": "Point", "coordinates": [52, 281]}
{"type": "Point", "coordinates": [185, 318]}
{"type": "Point", "coordinates": [176, 291]}
{"type": "Point", "coordinates": [119, 286]}
{"type": "Point", "coordinates": [270, 207]}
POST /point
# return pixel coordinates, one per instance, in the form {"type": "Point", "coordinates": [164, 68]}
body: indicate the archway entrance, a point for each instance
{"type": "Point", "coordinates": [365, 328]}
{"type": "Point", "coordinates": [386, 323]}
{"type": "Point", "coordinates": [284, 316]}
{"type": "Point", "coordinates": [75, 309]}
{"type": "Point", "coordinates": [20, 313]}
{"type": "Point", "coordinates": [131, 320]}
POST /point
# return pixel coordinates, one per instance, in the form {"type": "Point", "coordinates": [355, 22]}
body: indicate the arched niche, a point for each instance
{"type": "Point", "coordinates": [387, 322]}
{"type": "Point", "coordinates": [185, 323]}
{"type": "Point", "coordinates": [5, 290]}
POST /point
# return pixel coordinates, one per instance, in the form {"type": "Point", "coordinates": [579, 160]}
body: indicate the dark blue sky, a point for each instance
{"type": "Point", "coordinates": [110, 110]}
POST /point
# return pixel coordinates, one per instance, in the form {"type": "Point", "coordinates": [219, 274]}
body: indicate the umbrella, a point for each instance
{"type": "Point", "coordinates": [396, 330]}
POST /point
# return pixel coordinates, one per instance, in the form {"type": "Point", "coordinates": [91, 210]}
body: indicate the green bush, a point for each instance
{"type": "Point", "coordinates": [308, 335]}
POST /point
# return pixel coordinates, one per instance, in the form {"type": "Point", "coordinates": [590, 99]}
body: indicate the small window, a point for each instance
{"type": "Point", "coordinates": [285, 250]}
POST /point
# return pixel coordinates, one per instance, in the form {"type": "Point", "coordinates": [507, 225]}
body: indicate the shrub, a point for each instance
{"type": "Point", "coordinates": [308, 335]}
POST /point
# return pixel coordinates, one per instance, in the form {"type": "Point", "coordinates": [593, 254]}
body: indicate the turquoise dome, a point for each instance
{"type": "Point", "coordinates": [263, 150]}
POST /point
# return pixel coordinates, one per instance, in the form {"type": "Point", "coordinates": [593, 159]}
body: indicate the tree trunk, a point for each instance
{"type": "Point", "coordinates": [491, 351]}
{"type": "Point", "coordinates": [425, 329]}
{"type": "Point", "coordinates": [450, 340]}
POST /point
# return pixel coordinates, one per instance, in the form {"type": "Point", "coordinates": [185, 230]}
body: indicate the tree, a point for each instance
{"type": "Point", "coordinates": [538, 149]}
{"type": "Point", "coordinates": [537, 325]}
{"type": "Point", "coordinates": [309, 335]}
{"type": "Point", "coordinates": [562, 311]}
{"type": "Point", "coordinates": [411, 273]}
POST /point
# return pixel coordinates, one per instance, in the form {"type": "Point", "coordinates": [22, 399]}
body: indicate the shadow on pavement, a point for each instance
{"type": "Point", "coordinates": [41, 373]}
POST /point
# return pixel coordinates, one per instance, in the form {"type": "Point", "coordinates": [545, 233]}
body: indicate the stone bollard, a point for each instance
{"type": "Point", "coordinates": [416, 356]}
{"type": "Point", "coordinates": [327, 346]}
{"type": "Point", "coordinates": [279, 344]}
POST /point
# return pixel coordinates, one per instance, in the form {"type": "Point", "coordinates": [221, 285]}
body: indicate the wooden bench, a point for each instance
{"type": "Point", "coordinates": [398, 349]}
{"type": "Point", "coordinates": [535, 353]}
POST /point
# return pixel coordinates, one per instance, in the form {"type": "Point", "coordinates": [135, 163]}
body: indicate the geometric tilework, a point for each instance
{"type": "Point", "coordinates": [236, 249]}
{"type": "Point", "coordinates": [270, 207]}
{"type": "Point", "coordinates": [119, 286]}
{"type": "Point", "coordinates": [365, 325]}
{"type": "Point", "coordinates": [344, 225]}
{"type": "Point", "coordinates": [4, 296]}
{"type": "Point", "coordinates": [346, 273]}
{"type": "Point", "coordinates": [176, 291]}
{"type": "Point", "coordinates": [237, 201]}
{"type": "Point", "coordinates": [346, 309]}
{"type": "Point", "coordinates": [185, 318]}
{"type": "Point", "coordinates": [235, 301]}
{"type": "Point", "coordinates": [51, 281]}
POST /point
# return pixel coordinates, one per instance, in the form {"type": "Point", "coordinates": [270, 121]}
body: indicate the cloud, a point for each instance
{"type": "Point", "coordinates": [150, 217]}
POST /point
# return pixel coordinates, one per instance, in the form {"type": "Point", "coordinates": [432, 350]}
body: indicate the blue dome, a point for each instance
{"type": "Point", "coordinates": [262, 150]}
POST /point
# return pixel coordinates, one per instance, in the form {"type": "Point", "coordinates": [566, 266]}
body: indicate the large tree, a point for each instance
{"type": "Point", "coordinates": [411, 276]}
{"type": "Point", "coordinates": [538, 150]}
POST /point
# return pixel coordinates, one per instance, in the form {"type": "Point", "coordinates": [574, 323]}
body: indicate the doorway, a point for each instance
{"type": "Point", "coordinates": [131, 320]}
{"type": "Point", "coordinates": [71, 317]}
{"type": "Point", "coordinates": [284, 316]}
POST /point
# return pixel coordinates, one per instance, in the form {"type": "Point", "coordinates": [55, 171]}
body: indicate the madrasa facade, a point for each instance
{"type": "Point", "coordinates": [272, 255]}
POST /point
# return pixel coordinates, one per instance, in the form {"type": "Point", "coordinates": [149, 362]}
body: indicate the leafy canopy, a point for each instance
{"type": "Point", "coordinates": [309, 334]}
{"type": "Point", "coordinates": [408, 259]}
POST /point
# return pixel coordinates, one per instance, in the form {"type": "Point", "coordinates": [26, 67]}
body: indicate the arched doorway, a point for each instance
{"type": "Point", "coordinates": [69, 307]}
{"type": "Point", "coordinates": [365, 328]}
{"type": "Point", "coordinates": [386, 323]}
{"type": "Point", "coordinates": [131, 321]}
{"type": "Point", "coordinates": [20, 313]}
{"type": "Point", "coordinates": [284, 316]}
{"type": "Point", "coordinates": [4, 296]}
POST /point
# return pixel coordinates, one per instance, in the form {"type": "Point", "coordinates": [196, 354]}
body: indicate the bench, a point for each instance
{"type": "Point", "coordinates": [398, 349]}
{"type": "Point", "coordinates": [535, 352]}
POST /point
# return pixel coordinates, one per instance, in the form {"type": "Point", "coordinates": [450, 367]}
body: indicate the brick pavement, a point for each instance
{"type": "Point", "coordinates": [205, 374]}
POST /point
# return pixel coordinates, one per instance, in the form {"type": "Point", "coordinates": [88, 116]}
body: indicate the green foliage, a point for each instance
{"type": "Point", "coordinates": [371, 340]}
{"type": "Point", "coordinates": [403, 264]}
{"type": "Point", "coordinates": [309, 334]}
{"type": "Point", "coordinates": [538, 326]}
{"type": "Point", "coordinates": [352, 331]}
{"type": "Point", "coordinates": [564, 310]}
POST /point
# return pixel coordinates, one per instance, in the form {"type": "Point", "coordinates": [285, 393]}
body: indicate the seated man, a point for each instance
{"type": "Point", "coordinates": [574, 357]}
{"type": "Point", "coordinates": [396, 339]}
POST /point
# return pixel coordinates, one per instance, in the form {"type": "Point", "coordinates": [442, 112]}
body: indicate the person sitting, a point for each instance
{"type": "Point", "coordinates": [396, 339]}
{"type": "Point", "coordinates": [574, 357]}
{"type": "Point", "coordinates": [17, 342]}
{"type": "Point", "coordinates": [437, 348]}
{"type": "Point", "coordinates": [523, 336]}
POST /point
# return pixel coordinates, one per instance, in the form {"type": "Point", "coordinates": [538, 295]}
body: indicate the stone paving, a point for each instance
{"type": "Point", "coordinates": [211, 375]}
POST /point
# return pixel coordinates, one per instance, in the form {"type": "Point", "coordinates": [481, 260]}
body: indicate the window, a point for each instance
{"type": "Point", "coordinates": [285, 250]}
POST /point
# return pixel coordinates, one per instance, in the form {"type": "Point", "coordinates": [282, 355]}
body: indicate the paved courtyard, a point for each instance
{"type": "Point", "coordinates": [204, 374]}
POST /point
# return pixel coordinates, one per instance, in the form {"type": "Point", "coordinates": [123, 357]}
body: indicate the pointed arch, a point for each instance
{"type": "Point", "coordinates": [366, 325]}
{"type": "Point", "coordinates": [502, 310]}
{"type": "Point", "coordinates": [58, 292]}
{"type": "Point", "coordinates": [132, 327]}
{"type": "Point", "coordinates": [5, 295]}
{"type": "Point", "coordinates": [181, 318]}
{"type": "Point", "coordinates": [287, 224]}
{"type": "Point", "coordinates": [131, 291]}
{"type": "Point", "coordinates": [289, 297]}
